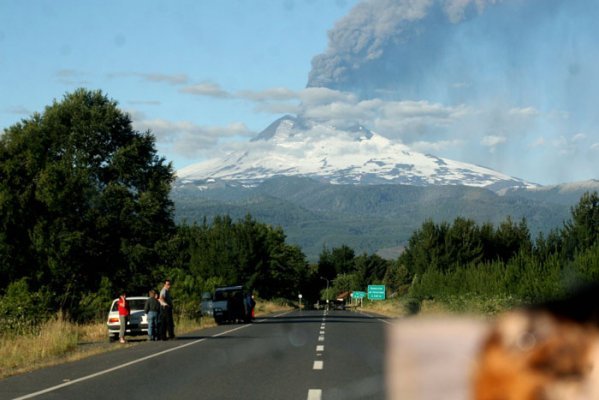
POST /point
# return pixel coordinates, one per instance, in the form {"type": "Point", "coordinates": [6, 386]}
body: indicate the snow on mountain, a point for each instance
{"type": "Point", "coordinates": [350, 155]}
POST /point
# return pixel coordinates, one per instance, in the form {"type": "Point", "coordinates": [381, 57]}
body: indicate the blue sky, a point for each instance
{"type": "Point", "coordinates": [510, 85]}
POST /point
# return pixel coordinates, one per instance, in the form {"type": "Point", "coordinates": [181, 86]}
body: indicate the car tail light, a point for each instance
{"type": "Point", "coordinates": [112, 320]}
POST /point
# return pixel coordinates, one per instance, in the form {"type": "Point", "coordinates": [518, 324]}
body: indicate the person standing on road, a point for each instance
{"type": "Point", "coordinates": [250, 303]}
{"type": "Point", "coordinates": [124, 312]}
{"type": "Point", "coordinates": [158, 317]}
{"type": "Point", "coordinates": [152, 308]}
{"type": "Point", "coordinates": [166, 312]}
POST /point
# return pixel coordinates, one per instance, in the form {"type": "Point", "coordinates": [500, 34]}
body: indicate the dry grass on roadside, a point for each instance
{"type": "Point", "coordinates": [59, 340]}
{"type": "Point", "coordinates": [55, 342]}
{"type": "Point", "coordinates": [388, 308]}
{"type": "Point", "coordinates": [20, 353]}
{"type": "Point", "coordinates": [186, 325]}
{"type": "Point", "coordinates": [400, 308]}
{"type": "Point", "coordinates": [269, 307]}
{"type": "Point", "coordinates": [92, 333]}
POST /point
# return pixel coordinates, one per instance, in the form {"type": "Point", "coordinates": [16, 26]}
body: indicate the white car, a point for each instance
{"type": "Point", "coordinates": [137, 323]}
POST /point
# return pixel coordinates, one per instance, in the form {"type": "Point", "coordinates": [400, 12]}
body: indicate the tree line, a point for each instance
{"type": "Point", "coordinates": [448, 261]}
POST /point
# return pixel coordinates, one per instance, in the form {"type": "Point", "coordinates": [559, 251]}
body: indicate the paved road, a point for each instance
{"type": "Point", "coordinates": [299, 355]}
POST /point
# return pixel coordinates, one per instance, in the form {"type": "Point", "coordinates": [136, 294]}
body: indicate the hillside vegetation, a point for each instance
{"type": "Point", "coordinates": [366, 218]}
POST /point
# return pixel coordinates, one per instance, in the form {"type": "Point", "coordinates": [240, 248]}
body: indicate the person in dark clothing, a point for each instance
{"type": "Point", "coordinates": [166, 312]}
{"type": "Point", "coordinates": [152, 309]}
{"type": "Point", "coordinates": [159, 316]}
{"type": "Point", "coordinates": [250, 305]}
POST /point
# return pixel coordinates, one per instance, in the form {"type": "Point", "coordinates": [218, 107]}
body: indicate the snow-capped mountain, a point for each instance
{"type": "Point", "coordinates": [294, 146]}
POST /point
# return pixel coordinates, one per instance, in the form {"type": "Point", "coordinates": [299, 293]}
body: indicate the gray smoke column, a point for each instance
{"type": "Point", "coordinates": [404, 48]}
{"type": "Point", "coordinates": [374, 43]}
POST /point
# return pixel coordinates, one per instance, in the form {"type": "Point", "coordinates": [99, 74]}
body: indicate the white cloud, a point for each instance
{"type": "Point", "coordinates": [579, 137]}
{"type": "Point", "coordinates": [71, 77]}
{"type": "Point", "coordinates": [564, 146]}
{"type": "Point", "coordinates": [492, 141]}
{"type": "Point", "coordinates": [209, 89]}
{"type": "Point", "coordinates": [337, 111]}
{"type": "Point", "coordinates": [145, 102]}
{"type": "Point", "coordinates": [68, 73]}
{"type": "Point", "coordinates": [436, 147]}
{"type": "Point", "coordinates": [460, 85]}
{"type": "Point", "coordinates": [201, 140]}
{"type": "Point", "coordinates": [187, 138]}
{"type": "Point", "coordinates": [524, 112]}
{"type": "Point", "coordinates": [171, 79]}
{"type": "Point", "coordinates": [595, 146]}
{"type": "Point", "coordinates": [320, 95]}
{"type": "Point", "coordinates": [277, 93]}
{"type": "Point", "coordinates": [174, 79]}
{"type": "Point", "coordinates": [277, 107]}
{"type": "Point", "coordinates": [540, 142]}
{"type": "Point", "coordinates": [19, 110]}
{"type": "Point", "coordinates": [421, 109]}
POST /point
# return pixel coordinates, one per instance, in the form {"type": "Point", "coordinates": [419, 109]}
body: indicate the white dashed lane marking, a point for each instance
{"type": "Point", "coordinates": [316, 394]}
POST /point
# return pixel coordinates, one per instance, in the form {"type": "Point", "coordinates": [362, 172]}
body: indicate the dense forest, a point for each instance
{"type": "Point", "coordinates": [85, 212]}
{"type": "Point", "coordinates": [446, 262]}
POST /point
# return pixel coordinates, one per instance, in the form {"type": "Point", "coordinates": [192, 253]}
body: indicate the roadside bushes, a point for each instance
{"type": "Point", "coordinates": [22, 311]}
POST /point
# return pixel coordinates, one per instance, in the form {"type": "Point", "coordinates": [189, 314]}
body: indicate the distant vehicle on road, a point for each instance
{"type": "Point", "coordinates": [206, 305]}
{"type": "Point", "coordinates": [136, 325]}
{"type": "Point", "coordinates": [339, 304]}
{"type": "Point", "coordinates": [229, 305]}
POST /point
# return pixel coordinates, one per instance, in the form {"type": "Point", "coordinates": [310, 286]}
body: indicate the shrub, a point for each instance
{"type": "Point", "coordinates": [412, 306]}
{"type": "Point", "coordinates": [22, 311]}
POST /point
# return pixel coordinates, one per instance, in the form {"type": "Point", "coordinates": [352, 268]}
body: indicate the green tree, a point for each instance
{"type": "Point", "coordinates": [582, 232]}
{"type": "Point", "coordinates": [345, 283]}
{"type": "Point", "coordinates": [369, 269]}
{"type": "Point", "coordinates": [282, 275]}
{"type": "Point", "coordinates": [398, 278]}
{"type": "Point", "coordinates": [326, 266]}
{"type": "Point", "coordinates": [343, 259]}
{"type": "Point", "coordinates": [463, 244]}
{"type": "Point", "coordinates": [243, 252]}
{"type": "Point", "coordinates": [425, 248]}
{"type": "Point", "coordinates": [82, 196]}
{"type": "Point", "coordinates": [512, 238]}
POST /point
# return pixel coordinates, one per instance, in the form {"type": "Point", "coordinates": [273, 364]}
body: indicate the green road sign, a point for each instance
{"type": "Point", "coordinates": [376, 292]}
{"type": "Point", "coordinates": [358, 295]}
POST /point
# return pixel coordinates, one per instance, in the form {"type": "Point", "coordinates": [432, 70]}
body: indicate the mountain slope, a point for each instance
{"type": "Point", "coordinates": [369, 219]}
{"type": "Point", "coordinates": [350, 155]}
{"type": "Point", "coordinates": [565, 194]}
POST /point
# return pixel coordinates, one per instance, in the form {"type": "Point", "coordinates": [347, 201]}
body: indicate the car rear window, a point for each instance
{"type": "Point", "coordinates": [136, 304]}
{"type": "Point", "coordinates": [227, 294]}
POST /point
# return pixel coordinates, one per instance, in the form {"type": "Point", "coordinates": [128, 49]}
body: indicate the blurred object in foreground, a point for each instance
{"type": "Point", "coordinates": [433, 358]}
{"type": "Point", "coordinates": [548, 351]}
{"type": "Point", "coordinates": [544, 352]}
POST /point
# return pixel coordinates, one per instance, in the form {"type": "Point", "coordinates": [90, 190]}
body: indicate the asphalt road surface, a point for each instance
{"type": "Point", "coordinates": [297, 355]}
